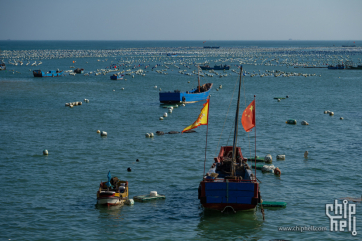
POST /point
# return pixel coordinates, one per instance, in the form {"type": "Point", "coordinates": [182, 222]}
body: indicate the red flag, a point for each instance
{"type": "Point", "coordinates": [248, 117]}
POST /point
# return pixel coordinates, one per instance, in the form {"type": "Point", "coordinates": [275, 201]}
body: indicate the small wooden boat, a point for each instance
{"type": "Point", "coordinates": [79, 71]}
{"type": "Point", "coordinates": [51, 73]}
{"type": "Point", "coordinates": [113, 192]}
{"type": "Point", "coordinates": [117, 76]}
{"type": "Point", "coordinates": [198, 94]}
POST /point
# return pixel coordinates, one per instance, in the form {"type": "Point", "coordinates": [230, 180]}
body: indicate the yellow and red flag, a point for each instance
{"type": "Point", "coordinates": [248, 117]}
{"type": "Point", "coordinates": [202, 119]}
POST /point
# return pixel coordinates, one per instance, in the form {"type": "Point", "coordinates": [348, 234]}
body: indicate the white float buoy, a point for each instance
{"type": "Point", "coordinates": [129, 202]}
{"type": "Point", "coordinates": [165, 114]}
{"type": "Point", "coordinates": [331, 113]}
{"type": "Point", "coordinates": [325, 112]}
{"type": "Point", "coordinates": [45, 152]}
{"type": "Point", "coordinates": [153, 193]}
{"type": "Point", "coordinates": [155, 87]}
{"type": "Point", "coordinates": [170, 110]}
{"type": "Point", "coordinates": [341, 118]}
{"type": "Point", "coordinates": [281, 157]}
{"type": "Point", "coordinates": [71, 106]}
{"type": "Point", "coordinates": [161, 118]}
{"type": "Point", "coordinates": [103, 133]}
{"type": "Point", "coordinates": [278, 100]}
{"type": "Point", "coordinates": [98, 131]}
{"type": "Point", "coordinates": [304, 123]}
{"type": "Point", "coordinates": [66, 104]}
{"type": "Point", "coordinates": [147, 134]}
{"type": "Point", "coordinates": [151, 134]}
{"type": "Point", "coordinates": [122, 89]}
{"type": "Point", "coordinates": [268, 158]}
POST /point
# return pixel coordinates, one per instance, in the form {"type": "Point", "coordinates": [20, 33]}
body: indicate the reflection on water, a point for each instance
{"type": "Point", "coordinates": [243, 224]}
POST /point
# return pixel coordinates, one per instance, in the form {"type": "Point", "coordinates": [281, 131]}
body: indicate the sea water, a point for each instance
{"type": "Point", "coordinates": [53, 197]}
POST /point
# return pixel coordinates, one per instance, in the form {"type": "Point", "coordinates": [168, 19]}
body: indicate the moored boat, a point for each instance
{"type": "Point", "coordinates": [216, 67]}
{"type": "Point", "coordinates": [79, 71]}
{"type": "Point", "coordinates": [51, 73]}
{"type": "Point", "coordinates": [230, 183]}
{"type": "Point", "coordinates": [2, 66]}
{"type": "Point", "coordinates": [113, 192]}
{"type": "Point", "coordinates": [338, 66]}
{"type": "Point", "coordinates": [117, 76]}
{"type": "Point", "coordinates": [198, 94]}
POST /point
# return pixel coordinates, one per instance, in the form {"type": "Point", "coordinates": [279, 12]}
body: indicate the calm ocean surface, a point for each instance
{"type": "Point", "coordinates": [53, 197]}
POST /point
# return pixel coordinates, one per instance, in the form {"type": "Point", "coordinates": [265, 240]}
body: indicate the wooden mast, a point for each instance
{"type": "Point", "coordinates": [236, 127]}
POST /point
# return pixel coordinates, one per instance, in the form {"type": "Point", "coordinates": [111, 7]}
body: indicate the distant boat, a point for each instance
{"type": "Point", "coordinates": [117, 76]}
{"type": "Point", "coordinates": [172, 55]}
{"type": "Point", "coordinates": [51, 73]}
{"type": "Point", "coordinates": [211, 47]}
{"type": "Point", "coordinates": [2, 66]}
{"type": "Point", "coordinates": [354, 67]}
{"type": "Point", "coordinates": [338, 66]}
{"type": "Point", "coordinates": [216, 67]}
{"type": "Point", "coordinates": [198, 94]}
{"type": "Point", "coordinates": [79, 71]}
{"type": "Point", "coordinates": [230, 183]}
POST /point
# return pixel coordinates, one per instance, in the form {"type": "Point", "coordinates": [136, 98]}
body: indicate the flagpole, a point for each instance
{"type": "Point", "coordinates": [207, 131]}
{"type": "Point", "coordinates": [255, 135]}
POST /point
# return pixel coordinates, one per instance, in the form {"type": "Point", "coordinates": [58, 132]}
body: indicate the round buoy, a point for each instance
{"type": "Point", "coordinates": [147, 134]}
{"type": "Point", "coordinates": [98, 131]}
{"type": "Point", "coordinates": [325, 112]}
{"type": "Point", "coordinates": [161, 118]}
{"type": "Point", "coordinates": [331, 113]}
{"type": "Point", "coordinates": [304, 123]}
{"type": "Point", "coordinates": [217, 89]}
{"type": "Point", "coordinates": [155, 87]}
{"type": "Point", "coordinates": [183, 104]}
{"type": "Point", "coordinates": [129, 202]}
{"type": "Point", "coordinates": [341, 118]}
{"type": "Point", "coordinates": [277, 171]}
{"type": "Point", "coordinates": [278, 100]}
{"type": "Point", "coordinates": [306, 154]}
{"type": "Point", "coordinates": [170, 110]}
{"type": "Point", "coordinates": [165, 114]}
{"type": "Point", "coordinates": [281, 157]}
{"type": "Point", "coordinates": [170, 107]}
{"type": "Point", "coordinates": [287, 96]}
{"type": "Point", "coordinates": [71, 106]}
{"type": "Point", "coordinates": [151, 134]}
{"type": "Point", "coordinates": [103, 133]}
{"type": "Point", "coordinates": [160, 89]}
{"type": "Point", "coordinates": [66, 104]}
{"type": "Point", "coordinates": [268, 158]}
{"type": "Point", "coordinates": [129, 169]}
{"type": "Point", "coordinates": [137, 160]}
{"type": "Point", "coordinates": [45, 152]}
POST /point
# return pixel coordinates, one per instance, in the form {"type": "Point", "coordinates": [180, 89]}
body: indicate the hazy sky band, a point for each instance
{"type": "Point", "coordinates": [181, 20]}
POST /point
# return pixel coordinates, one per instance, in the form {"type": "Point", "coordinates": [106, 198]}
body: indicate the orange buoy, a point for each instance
{"type": "Point", "coordinates": [277, 171]}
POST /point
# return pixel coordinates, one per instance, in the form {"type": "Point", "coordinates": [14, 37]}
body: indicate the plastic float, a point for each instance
{"type": "Point", "coordinates": [152, 196]}
{"type": "Point", "coordinates": [274, 204]}
{"type": "Point", "coordinates": [291, 122]}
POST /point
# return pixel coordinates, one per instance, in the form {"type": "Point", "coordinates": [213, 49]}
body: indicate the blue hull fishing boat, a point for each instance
{"type": "Point", "coordinates": [198, 94]}
{"type": "Point", "coordinates": [117, 77]}
{"type": "Point", "coordinates": [51, 73]}
{"type": "Point", "coordinates": [216, 67]}
{"type": "Point", "coordinates": [230, 183]}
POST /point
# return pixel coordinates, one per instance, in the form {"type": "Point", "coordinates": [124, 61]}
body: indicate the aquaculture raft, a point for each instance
{"type": "Point", "coordinates": [274, 204]}
{"type": "Point", "coordinates": [145, 198]}
{"type": "Point", "coordinates": [258, 159]}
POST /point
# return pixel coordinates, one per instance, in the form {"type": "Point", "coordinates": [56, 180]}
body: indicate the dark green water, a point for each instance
{"type": "Point", "coordinates": [54, 196]}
